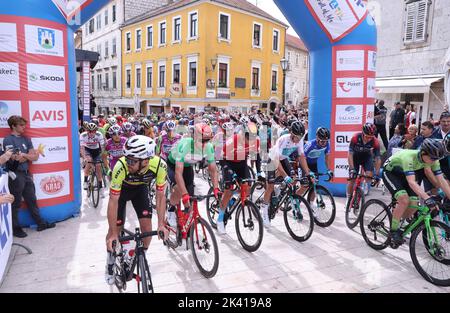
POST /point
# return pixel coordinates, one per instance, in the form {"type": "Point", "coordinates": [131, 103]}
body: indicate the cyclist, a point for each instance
{"type": "Point", "coordinates": [127, 129]}
{"type": "Point", "coordinates": [364, 148]}
{"type": "Point", "coordinates": [92, 144]}
{"type": "Point", "coordinates": [114, 146]}
{"type": "Point", "coordinates": [148, 129]}
{"type": "Point", "coordinates": [131, 177]}
{"type": "Point", "coordinates": [109, 122]}
{"type": "Point", "coordinates": [235, 157]}
{"type": "Point", "coordinates": [279, 161]}
{"type": "Point", "coordinates": [182, 157]}
{"type": "Point", "coordinates": [400, 179]}
{"type": "Point", "coordinates": [167, 140]}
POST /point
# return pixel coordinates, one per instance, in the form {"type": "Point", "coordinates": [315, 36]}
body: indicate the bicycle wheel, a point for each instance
{"type": "Point", "coordinates": [298, 218]}
{"type": "Point", "coordinates": [212, 208]}
{"type": "Point", "coordinates": [204, 247]}
{"type": "Point", "coordinates": [323, 206]}
{"type": "Point", "coordinates": [257, 193]}
{"type": "Point", "coordinates": [431, 258]}
{"type": "Point", "coordinates": [353, 210]}
{"type": "Point", "coordinates": [95, 190]}
{"type": "Point", "coordinates": [152, 194]}
{"type": "Point", "coordinates": [375, 224]}
{"type": "Point", "coordinates": [249, 226]}
{"type": "Point", "coordinates": [145, 281]}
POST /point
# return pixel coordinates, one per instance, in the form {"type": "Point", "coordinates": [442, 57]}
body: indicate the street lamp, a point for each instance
{"type": "Point", "coordinates": [284, 66]}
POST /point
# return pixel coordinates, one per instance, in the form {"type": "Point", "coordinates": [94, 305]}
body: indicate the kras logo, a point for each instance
{"type": "Point", "coordinates": [52, 185]}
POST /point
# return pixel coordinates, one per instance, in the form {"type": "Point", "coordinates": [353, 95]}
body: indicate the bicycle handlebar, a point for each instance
{"type": "Point", "coordinates": [134, 236]}
{"type": "Point", "coordinates": [201, 198]}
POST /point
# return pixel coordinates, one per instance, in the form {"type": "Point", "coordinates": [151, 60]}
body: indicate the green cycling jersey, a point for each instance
{"type": "Point", "coordinates": [409, 161]}
{"type": "Point", "coordinates": [186, 152]}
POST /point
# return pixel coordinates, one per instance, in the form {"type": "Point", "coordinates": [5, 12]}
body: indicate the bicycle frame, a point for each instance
{"type": "Point", "coordinates": [242, 195]}
{"type": "Point", "coordinates": [425, 217]}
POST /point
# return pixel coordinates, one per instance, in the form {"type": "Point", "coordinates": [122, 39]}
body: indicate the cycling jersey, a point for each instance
{"type": "Point", "coordinates": [186, 152]}
{"type": "Point", "coordinates": [409, 161]}
{"type": "Point", "coordinates": [92, 143]}
{"type": "Point", "coordinates": [313, 151]}
{"type": "Point", "coordinates": [115, 150]}
{"type": "Point", "coordinates": [358, 146]}
{"type": "Point", "coordinates": [237, 143]}
{"type": "Point", "coordinates": [285, 147]}
{"type": "Point", "coordinates": [156, 169]}
{"type": "Point", "coordinates": [165, 144]}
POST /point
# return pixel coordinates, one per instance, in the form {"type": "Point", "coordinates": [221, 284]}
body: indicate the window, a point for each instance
{"type": "Point", "coordinates": [305, 61]}
{"type": "Point", "coordinates": [162, 76]}
{"type": "Point", "coordinates": [192, 74]}
{"type": "Point", "coordinates": [128, 78]}
{"type": "Point", "coordinates": [106, 50]}
{"type": "Point", "coordinates": [86, 29]}
{"type": "Point", "coordinates": [93, 82]}
{"type": "Point", "coordinates": [255, 78]}
{"type": "Point", "coordinates": [176, 73]}
{"type": "Point", "coordinates": [289, 56]}
{"type": "Point", "coordinates": [149, 36]}
{"type": "Point", "coordinates": [276, 40]}
{"type": "Point", "coordinates": [162, 33]}
{"type": "Point", "coordinates": [297, 57]}
{"type": "Point", "coordinates": [177, 29]}
{"type": "Point", "coordinates": [99, 81]}
{"type": "Point", "coordinates": [106, 17]}
{"type": "Point", "coordinates": [274, 80]}
{"type": "Point", "coordinates": [114, 80]}
{"type": "Point", "coordinates": [223, 75]}
{"type": "Point", "coordinates": [224, 26]}
{"type": "Point", "coordinates": [138, 78]}
{"type": "Point", "coordinates": [99, 50]}
{"type": "Point", "coordinates": [149, 76]}
{"type": "Point", "coordinates": [138, 39]}
{"type": "Point", "coordinates": [193, 23]}
{"type": "Point", "coordinates": [107, 81]}
{"type": "Point", "coordinates": [114, 13]}
{"type": "Point", "coordinates": [257, 35]}
{"type": "Point", "coordinates": [114, 46]}
{"type": "Point", "coordinates": [99, 21]}
{"type": "Point", "coordinates": [416, 22]}
{"type": "Point", "coordinates": [91, 26]}
{"type": "Point", "coordinates": [128, 41]}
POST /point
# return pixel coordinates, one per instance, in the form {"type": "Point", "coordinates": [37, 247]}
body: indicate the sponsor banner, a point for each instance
{"type": "Point", "coordinates": [9, 76]}
{"type": "Point", "coordinates": [48, 114]}
{"type": "Point", "coordinates": [341, 167]}
{"type": "Point", "coordinates": [6, 235]}
{"type": "Point", "coordinates": [350, 60]}
{"type": "Point", "coordinates": [370, 113]}
{"type": "Point", "coordinates": [7, 109]}
{"type": "Point", "coordinates": [42, 40]}
{"type": "Point", "coordinates": [8, 37]}
{"type": "Point", "coordinates": [69, 8]}
{"type": "Point", "coordinates": [52, 185]}
{"type": "Point", "coordinates": [51, 150]}
{"type": "Point", "coordinates": [48, 78]}
{"type": "Point", "coordinates": [352, 87]}
{"type": "Point", "coordinates": [349, 114]}
{"type": "Point", "coordinates": [337, 17]}
{"type": "Point", "coordinates": [371, 91]}
{"type": "Point", "coordinates": [342, 140]}
{"type": "Point", "coordinates": [372, 61]}
{"type": "Point", "coordinates": [86, 91]}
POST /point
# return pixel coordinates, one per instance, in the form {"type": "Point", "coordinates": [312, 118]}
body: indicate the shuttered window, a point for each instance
{"type": "Point", "coordinates": [416, 22]}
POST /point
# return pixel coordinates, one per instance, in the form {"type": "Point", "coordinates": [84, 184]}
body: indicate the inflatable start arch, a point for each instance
{"type": "Point", "coordinates": [38, 82]}
{"type": "Point", "coordinates": [341, 38]}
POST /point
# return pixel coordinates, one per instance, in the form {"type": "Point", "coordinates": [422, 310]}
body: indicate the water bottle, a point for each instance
{"type": "Point", "coordinates": [109, 273]}
{"type": "Point", "coordinates": [232, 201]}
{"type": "Point", "coordinates": [128, 253]}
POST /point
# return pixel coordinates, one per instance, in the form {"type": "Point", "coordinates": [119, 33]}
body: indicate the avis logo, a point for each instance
{"type": "Point", "coordinates": [52, 185]}
{"type": "Point", "coordinates": [46, 116]}
{"type": "Point", "coordinates": [46, 38]}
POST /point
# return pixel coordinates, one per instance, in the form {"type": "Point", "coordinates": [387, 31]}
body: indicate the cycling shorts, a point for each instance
{"type": "Point", "coordinates": [188, 177]}
{"type": "Point", "coordinates": [364, 160]}
{"type": "Point", "coordinates": [271, 175]}
{"type": "Point", "coordinates": [139, 196]}
{"type": "Point", "coordinates": [395, 182]}
{"type": "Point", "coordinates": [230, 168]}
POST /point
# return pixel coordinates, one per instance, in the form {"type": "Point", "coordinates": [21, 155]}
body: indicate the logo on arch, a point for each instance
{"type": "Point", "coordinates": [352, 87]}
{"type": "Point", "coordinates": [48, 114]}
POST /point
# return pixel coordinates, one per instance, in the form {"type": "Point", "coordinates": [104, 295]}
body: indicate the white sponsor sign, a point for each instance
{"type": "Point", "coordinates": [43, 40]}
{"type": "Point", "coordinates": [48, 78]}
{"type": "Point", "coordinates": [8, 37]}
{"type": "Point", "coordinates": [7, 109]}
{"type": "Point", "coordinates": [9, 76]}
{"type": "Point", "coordinates": [342, 140]}
{"type": "Point", "coordinates": [341, 167]}
{"type": "Point", "coordinates": [371, 93]}
{"type": "Point", "coordinates": [350, 60]}
{"type": "Point", "coordinates": [48, 114]}
{"type": "Point", "coordinates": [372, 61]}
{"type": "Point", "coordinates": [51, 150]}
{"type": "Point", "coordinates": [352, 87]}
{"type": "Point", "coordinates": [52, 185]}
{"type": "Point", "coordinates": [338, 16]}
{"type": "Point", "coordinates": [349, 114]}
{"type": "Point", "coordinates": [6, 235]}
{"type": "Point", "coordinates": [370, 113]}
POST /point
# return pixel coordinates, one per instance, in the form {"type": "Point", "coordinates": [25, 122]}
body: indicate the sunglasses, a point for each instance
{"type": "Point", "coordinates": [322, 141]}
{"type": "Point", "coordinates": [206, 140]}
{"type": "Point", "coordinates": [131, 162]}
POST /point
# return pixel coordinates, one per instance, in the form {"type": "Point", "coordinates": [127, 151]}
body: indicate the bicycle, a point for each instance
{"type": "Point", "coordinates": [435, 237]}
{"type": "Point", "coordinates": [355, 202]}
{"type": "Point", "coordinates": [201, 239]}
{"type": "Point", "coordinates": [246, 213]}
{"type": "Point", "coordinates": [124, 271]}
{"type": "Point", "coordinates": [297, 213]}
{"type": "Point", "coordinates": [93, 186]}
{"type": "Point", "coordinates": [322, 217]}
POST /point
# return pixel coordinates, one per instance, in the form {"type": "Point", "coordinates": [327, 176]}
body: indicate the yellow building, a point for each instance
{"type": "Point", "coordinates": [194, 54]}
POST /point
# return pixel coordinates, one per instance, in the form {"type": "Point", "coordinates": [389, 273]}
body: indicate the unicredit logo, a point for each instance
{"type": "Point", "coordinates": [7, 71]}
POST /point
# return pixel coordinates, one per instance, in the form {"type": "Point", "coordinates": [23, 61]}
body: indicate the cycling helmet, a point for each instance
{"type": "Point", "coordinates": [112, 121]}
{"type": "Point", "coordinates": [434, 148]}
{"type": "Point", "coordinates": [297, 129]}
{"type": "Point", "coordinates": [203, 131]}
{"type": "Point", "coordinates": [139, 147]}
{"type": "Point", "coordinates": [369, 129]}
{"type": "Point", "coordinates": [446, 143]}
{"type": "Point", "coordinates": [244, 120]}
{"type": "Point", "coordinates": [91, 127]}
{"type": "Point", "coordinates": [291, 120]}
{"type": "Point", "coordinates": [95, 121]}
{"type": "Point", "coordinates": [323, 133]}
{"type": "Point", "coordinates": [131, 120]}
{"type": "Point", "coordinates": [115, 130]}
{"type": "Point", "coordinates": [127, 127]}
{"type": "Point", "coordinates": [146, 123]}
{"type": "Point", "coordinates": [85, 124]}
{"type": "Point", "coordinates": [170, 125]}
{"type": "Point", "coordinates": [227, 126]}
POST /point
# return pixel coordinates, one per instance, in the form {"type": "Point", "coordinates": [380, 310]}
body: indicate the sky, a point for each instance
{"type": "Point", "coordinates": [270, 7]}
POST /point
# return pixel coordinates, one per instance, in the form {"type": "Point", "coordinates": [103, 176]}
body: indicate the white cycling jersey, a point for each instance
{"type": "Point", "coordinates": [94, 142]}
{"type": "Point", "coordinates": [284, 147]}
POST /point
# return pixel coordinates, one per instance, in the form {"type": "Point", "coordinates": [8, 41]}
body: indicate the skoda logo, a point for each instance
{"type": "Point", "coordinates": [33, 77]}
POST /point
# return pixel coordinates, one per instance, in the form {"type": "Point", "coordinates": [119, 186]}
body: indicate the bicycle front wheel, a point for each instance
{"type": "Point", "coordinates": [95, 190]}
{"type": "Point", "coordinates": [204, 248]}
{"type": "Point", "coordinates": [375, 224]}
{"type": "Point", "coordinates": [257, 193]}
{"type": "Point", "coordinates": [249, 226]}
{"type": "Point", "coordinates": [430, 252]}
{"type": "Point", "coordinates": [323, 206]}
{"type": "Point", "coordinates": [212, 208]}
{"type": "Point", "coordinates": [145, 280]}
{"type": "Point", "coordinates": [298, 218]}
{"type": "Point", "coordinates": [353, 208]}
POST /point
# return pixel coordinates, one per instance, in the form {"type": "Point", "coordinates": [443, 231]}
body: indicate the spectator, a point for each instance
{"type": "Point", "coordinates": [396, 140]}
{"type": "Point", "coordinates": [22, 184]}
{"type": "Point", "coordinates": [397, 116]}
{"type": "Point", "coordinates": [444, 126]}
{"type": "Point", "coordinates": [410, 137]}
{"type": "Point", "coordinates": [5, 157]}
{"type": "Point", "coordinates": [380, 122]}
{"type": "Point", "coordinates": [426, 130]}
{"type": "Point", "coordinates": [410, 117]}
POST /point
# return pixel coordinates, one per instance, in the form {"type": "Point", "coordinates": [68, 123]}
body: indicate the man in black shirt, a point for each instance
{"type": "Point", "coordinates": [397, 117]}
{"type": "Point", "coordinates": [380, 121]}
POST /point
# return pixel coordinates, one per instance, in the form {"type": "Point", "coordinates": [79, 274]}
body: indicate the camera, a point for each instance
{"type": "Point", "coordinates": [16, 151]}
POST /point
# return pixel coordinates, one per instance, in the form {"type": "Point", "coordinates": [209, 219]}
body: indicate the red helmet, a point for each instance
{"type": "Point", "coordinates": [203, 131]}
{"type": "Point", "coordinates": [369, 129]}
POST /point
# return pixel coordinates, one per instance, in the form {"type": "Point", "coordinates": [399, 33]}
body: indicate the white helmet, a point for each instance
{"type": "Point", "coordinates": [170, 125]}
{"type": "Point", "coordinates": [139, 147]}
{"type": "Point", "coordinates": [227, 126]}
{"type": "Point", "coordinates": [112, 121]}
{"type": "Point", "coordinates": [244, 120]}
